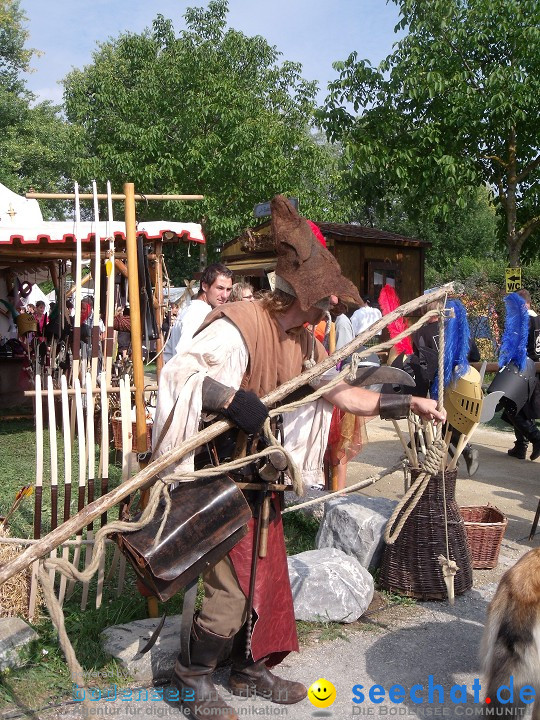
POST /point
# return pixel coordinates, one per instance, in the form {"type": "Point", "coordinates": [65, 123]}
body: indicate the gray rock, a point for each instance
{"type": "Point", "coordinates": [355, 525]}
{"type": "Point", "coordinates": [124, 642]}
{"type": "Point", "coordinates": [329, 585]}
{"type": "Point", "coordinates": [15, 635]}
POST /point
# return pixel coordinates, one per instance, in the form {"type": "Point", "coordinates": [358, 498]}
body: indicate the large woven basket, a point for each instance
{"type": "Point", "coordinates": [485, 526]}
{"type": "Point", "coordinates": [410, 566]}
{"type": "Point", "coordinates": [26, 323]}
{"type": "Point", "coordinates": [117, 435]}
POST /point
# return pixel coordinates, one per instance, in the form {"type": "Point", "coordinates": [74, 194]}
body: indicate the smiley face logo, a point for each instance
{"type": "Point", "coordinates": [322, 693]}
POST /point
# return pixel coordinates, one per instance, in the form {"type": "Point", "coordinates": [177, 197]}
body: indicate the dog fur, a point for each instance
{"type": "Point", "coordinates": [511, 640]}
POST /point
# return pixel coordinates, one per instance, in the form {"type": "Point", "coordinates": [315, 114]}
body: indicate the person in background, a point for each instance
{"type": "Point", "coordinates": [122, 324]}
{"type": "Point", "coordinates": [524, 423]}
{"type": "Point", "coordinates": [241, 291]}
{"type": "Point", "coordinates": [347, 431]}
{"type": "Point", "coordinates": [214, 291]}
{"type": "Point", "coordinates": [365, 316]}
{"type": "Point", "coordinates": [41, 319]}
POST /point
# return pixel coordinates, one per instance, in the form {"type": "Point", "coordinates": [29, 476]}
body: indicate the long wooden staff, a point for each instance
{"type": "Point", "coordinates": [38, 495]}
{"type": "Point", "coordinates": [54, 463]}
{"type": "Point", "coordinates": [92, 511]}
{"type": "Point", "coordinates": [82, 476]}
{"type": "Point", "coordinates": [127, 458]}
{"type": "Point", "coordinates": [76, 350]}
{"type": "Point", "coordinates": [91, 451]}
{"type": "Point", "coordinates": [96, 341]}
{"type": "Point", "coordinates": [66, 428]}
{"type": "Point", "coordinates": [104, 476]}
{"type": "Point", "coordinates": [110, 270]}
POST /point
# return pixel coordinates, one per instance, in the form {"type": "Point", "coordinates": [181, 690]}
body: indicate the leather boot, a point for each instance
{"type": "Point", "coordinates": [249, 678]}
{"type": "Point", "coordinates": [197, 691]}
{"type": "Point", "coordinates": [519, 450]}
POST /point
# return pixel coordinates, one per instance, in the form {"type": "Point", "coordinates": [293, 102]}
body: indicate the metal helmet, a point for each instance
{"type": "Point", "coordinates": [463, 401]}
{"type": "Point", "coordinates": [517, 385]}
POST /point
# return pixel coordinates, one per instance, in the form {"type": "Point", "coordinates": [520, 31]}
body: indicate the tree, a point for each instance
{"type": "Point", "coordinates": [210, 111]}
{"type": "Point", "coordinates": [454, 106]}
{"type": "Point", "coordinates": [34, 141]}
{"type": "Point", "coordinates": [471, 231]}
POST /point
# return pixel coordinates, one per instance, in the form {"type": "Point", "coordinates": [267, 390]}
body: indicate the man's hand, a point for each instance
{"type": "Point", "coordinates": [427, 409]}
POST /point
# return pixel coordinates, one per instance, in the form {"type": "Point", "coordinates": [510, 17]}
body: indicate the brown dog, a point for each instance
{"type": "Point", "coordinates": [511, 641]}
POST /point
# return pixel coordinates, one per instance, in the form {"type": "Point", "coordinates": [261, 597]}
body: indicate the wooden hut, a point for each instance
{"type": "Point", "coordinates": [369, 257]}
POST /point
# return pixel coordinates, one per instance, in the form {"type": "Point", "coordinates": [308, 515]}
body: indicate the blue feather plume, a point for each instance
{"type": "Point", "coordinates": [457, 337]}
{"type": "Point", "coordinates": [516, 331]}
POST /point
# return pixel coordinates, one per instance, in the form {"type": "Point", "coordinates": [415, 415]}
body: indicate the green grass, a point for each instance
{"type": "Point", "coordinates": [300, 532]}
{"type": "Point", "coordinates": [18, 468]}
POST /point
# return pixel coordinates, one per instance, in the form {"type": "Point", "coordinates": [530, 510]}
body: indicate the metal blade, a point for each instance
{"type": "Point", "coordinates": [381, 374]}
{"type": "Point", "coordinates": [489, 405]}
{"type": "Point", "coordinates": [483, 371]}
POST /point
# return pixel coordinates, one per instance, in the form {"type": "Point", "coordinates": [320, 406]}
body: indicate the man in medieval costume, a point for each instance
{"type": "Point", "coordinates": [242, 352]}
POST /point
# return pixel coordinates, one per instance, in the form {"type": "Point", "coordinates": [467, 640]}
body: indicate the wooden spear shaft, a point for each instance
{"type": "Point", "coordinates": [93, 510]}
{"type": "Point", "coordinates": [135, 316]}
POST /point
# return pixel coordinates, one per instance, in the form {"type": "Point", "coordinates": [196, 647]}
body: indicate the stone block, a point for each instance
{"type": "Point", "coordinates": [328, 585]}
{"type": "Point", "coordinates": [355, 525]}
{"type": "Point", "coordinates": [15, 636]}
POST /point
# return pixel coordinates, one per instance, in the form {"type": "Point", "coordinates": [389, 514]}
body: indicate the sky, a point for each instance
{"type": "Point", "coordinates": [314, 33]}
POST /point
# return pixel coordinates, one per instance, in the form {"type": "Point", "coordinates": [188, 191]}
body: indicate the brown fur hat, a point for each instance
{"type": "Point", "coordinates": [310, 270]}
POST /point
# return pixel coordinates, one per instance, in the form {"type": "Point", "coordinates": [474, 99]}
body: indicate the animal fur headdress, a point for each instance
{"type": "Point", "coordinates": [309, 270]}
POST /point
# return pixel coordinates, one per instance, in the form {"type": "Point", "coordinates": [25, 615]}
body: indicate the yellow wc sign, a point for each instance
{"type": "Point", "coordinates": [513, 279]}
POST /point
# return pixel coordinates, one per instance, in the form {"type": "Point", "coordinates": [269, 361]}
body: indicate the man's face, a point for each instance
{"type": "Point", "coordinates": [218, 292]}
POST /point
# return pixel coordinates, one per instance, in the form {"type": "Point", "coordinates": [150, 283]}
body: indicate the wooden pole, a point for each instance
{"type": "Point", "coordinates": [104, 450]}
{"type": "Point", "coordinates": [110, 389]}
{"type": "Point", "coordinates": [76, 337]}
{"type": "Point", "coordinates": [158, 308]}
{"type": "Point", "coordinates": [110, 265]}
{"type": "Point", "coordinates": [96, 273]}
{"type": "Point", "coordinates": [92, 511]}
{"type": "Point", "coordinates": [66, 428]}
{"type": "Point", "coordinates": [91, 452]}
{"type": "Point", "coordinates": [135, 315]}
{"type": "Point", "coordinates": [53, 448]}
{"type": "Point", "coordinates": [114, 196]}
{"type": "Point", "coordinates": [38, 494]}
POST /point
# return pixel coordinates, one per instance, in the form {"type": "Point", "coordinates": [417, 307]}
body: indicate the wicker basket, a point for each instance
{"type": "Point", "coordinates": [485, 526]}
{"type": "Point", "coordinates": [410, 566]}
{"type": "Point", "coordinates": [26, 323]}
{"type": "Point", "coordinates": [117, 435]}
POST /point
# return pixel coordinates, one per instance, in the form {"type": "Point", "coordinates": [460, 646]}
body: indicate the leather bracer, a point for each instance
{"type": "Point", "coordinates": [394, 406]}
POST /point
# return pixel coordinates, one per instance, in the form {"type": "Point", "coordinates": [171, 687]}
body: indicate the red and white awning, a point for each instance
{"type": "Point", "coordinates": [21, 223]}
{"type": "Point", "coordinates": [55, 232]}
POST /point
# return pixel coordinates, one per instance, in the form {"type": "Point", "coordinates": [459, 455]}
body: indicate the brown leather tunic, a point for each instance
{"type": "Point", "coordinates": [274, 358]}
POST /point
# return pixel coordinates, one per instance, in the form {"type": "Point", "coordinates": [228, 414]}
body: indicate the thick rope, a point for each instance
{"type": "Point", "coordinates": [57, 616]}
{"type": "Point", "coordinates": [414, 493]}
{"type": "Point", "coordinates": [432, 461]}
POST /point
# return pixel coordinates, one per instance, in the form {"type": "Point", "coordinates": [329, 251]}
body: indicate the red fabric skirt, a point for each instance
{"type": "Point", "coordinates": [274, 628]}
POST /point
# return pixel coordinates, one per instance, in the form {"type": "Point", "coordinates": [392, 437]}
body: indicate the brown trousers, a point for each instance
{"type": "Point", "coordinates": [224, 608]}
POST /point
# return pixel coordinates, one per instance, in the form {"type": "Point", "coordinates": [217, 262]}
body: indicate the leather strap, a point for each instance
{"type": "Point", "coordinates": [188, 609]}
